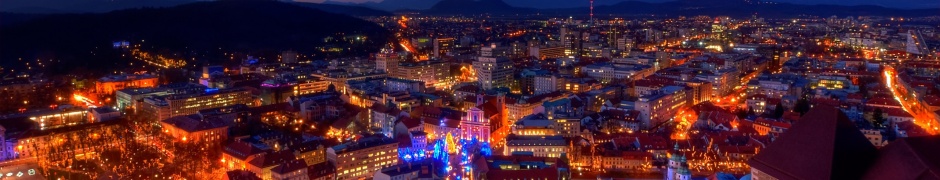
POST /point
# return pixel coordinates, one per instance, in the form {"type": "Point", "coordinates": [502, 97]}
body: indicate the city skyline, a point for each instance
{"type": "Point", "coordinates": [468, 90]}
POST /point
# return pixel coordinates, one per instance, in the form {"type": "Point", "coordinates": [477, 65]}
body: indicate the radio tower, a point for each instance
{"type": "Point", "coordinates": [592, 13]}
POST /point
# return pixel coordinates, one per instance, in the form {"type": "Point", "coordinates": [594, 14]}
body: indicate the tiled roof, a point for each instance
{"type": "Point", "coordinates": [241, 150]}
{"type": "Point", "coordinates": [194, 123]}
{"type": "Point", "coordinates": [824, 144]}
{"type": "Point", "coordinates": [908, 158]}
{"type": "Point", "coordinates": [289, 166]}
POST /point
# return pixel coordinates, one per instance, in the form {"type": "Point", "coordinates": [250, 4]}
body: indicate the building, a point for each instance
{"type": "Point", "coordinates": [660, 107]}
{"type": "Point", "coordinates": [443, 46]}
{"type": "Point", "coordinates": [109, 84]}
{"type": "Point", "coordinates": [162, 107]}
{"type": "Point", "coordinates": [102, 114]}
{"type": "Point", "coordinates": [311, 152]}
{"type": "Point", "coordinates": [548, 83]}
{"type": "Point", "coordinates": [475, 125]}
{"type": "Point", "coordinates": [386, 62]}
{"type": "Point", "coordinates": [493, 72]}
{"type": "Point", "coordinates": [263, 166]}
{"type": "Point", "coordinates": [522, 167]}
{"type": "Point", "coordinates": [535, 125]}
{"type": "Point", "coordinates": [131, 98]}
{"type": "Point", "coordinates": [434, 73]}
{"type": "Point", "coordinates": [310, 86]}
{"type": "Point", "coordinates": [417, 170]}
{"type": "Point", "coordinates": [291, 170]}
{"type": "Point", "coordinates": [195, 128]}
{"type": "Point", "coordinates": [361, 158]}
{"type": "Point", "coordinates": [406, 85]}
{"type": "Point", "coordinates": [235, 156]}
{"type": "Point", "coordinates": [546, 52]}
{"type": "Point", "coordinates": [538, 146]}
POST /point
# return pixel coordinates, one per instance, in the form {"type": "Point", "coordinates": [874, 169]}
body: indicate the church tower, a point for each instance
{"type": "Point", "coordinates": [676, 162]}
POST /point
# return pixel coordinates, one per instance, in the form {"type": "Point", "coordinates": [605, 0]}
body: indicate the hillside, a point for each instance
{"type": "Point", "coordinates": [196, 30]}
{"type": "Point", "coordinates": [467, 7]}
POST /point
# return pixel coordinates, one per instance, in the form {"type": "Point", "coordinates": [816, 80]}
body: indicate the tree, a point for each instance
{"type": "Point", "coordinates": [742, 114]}
{"type": "Point", "coordinates": [878, 117]}
{"type": "Point", "coordinates": [802, 106]}
{"type": "Point", "coordinates": [779, 110]}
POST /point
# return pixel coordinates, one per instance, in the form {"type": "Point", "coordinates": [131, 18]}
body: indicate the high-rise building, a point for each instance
{"type": "Point", "coordinates": [442, 46]}
{"type": "Point", "coordinates": [493, 72]}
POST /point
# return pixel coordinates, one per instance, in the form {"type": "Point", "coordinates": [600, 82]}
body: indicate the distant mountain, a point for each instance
{"type": "Point", "coordinates": [197, 29]}
{"type": "Point", "coordinates": [476, 7]}
{"type": "Point", "coordinates": [394, 5]}
{"type": "Point", "coordinates": [742, 8]}
{"type": "Point", "coordinates": [344, 9]}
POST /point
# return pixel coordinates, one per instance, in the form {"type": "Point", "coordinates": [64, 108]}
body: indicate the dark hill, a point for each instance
{"type": "Point", "coordinates": [345, 9]}
{"type": "Point", "coordinates": [469, 7]}
{"type": "Point", "coordinates": [196, 29]}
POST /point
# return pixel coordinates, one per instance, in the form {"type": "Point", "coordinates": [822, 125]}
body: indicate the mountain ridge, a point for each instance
{"type": "Point", "coordinates": [196, 30]}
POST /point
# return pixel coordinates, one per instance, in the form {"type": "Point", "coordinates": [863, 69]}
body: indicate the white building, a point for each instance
{"type": "Point", "coordinates": [493, 72]}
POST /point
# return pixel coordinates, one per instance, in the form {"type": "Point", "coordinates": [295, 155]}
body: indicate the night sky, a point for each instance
{"type": "Point", "coordinates": [553, 4]}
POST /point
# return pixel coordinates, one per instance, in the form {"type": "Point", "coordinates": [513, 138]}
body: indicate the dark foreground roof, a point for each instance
{"type": "Point", "coordinates": [823, 145]}
{"type": "Point", "coordinates": [908, 158]}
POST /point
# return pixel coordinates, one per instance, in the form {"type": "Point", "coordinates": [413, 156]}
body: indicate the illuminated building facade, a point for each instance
{"type": "Point", "coordinates": [386, 62]}
{"type": "Point", "coordinates": [311, 152]}
{"type": "Point", "coordinates": [52, 119]}
{"type": "Point", "coordinates": [132, 97]}
{"type": "Point", "coordinates": [310, 86]}
{"type": "Point", "coordinates": [108, 85]}
{"type": "Point", "coordinates": [434, 73]}
{"type": "Point", "coordinates": [291, 170]}
{"type": "Point", "coordinates": [538, 146]}
{"type": "Point", "coordinates": [535, 125]}
{"type": "Point", "coordinates": [362, 158]}
{"type": "Point", "coordinates": [548, 83]}
{"type": "Point", "coordinates": [195, 128]}
{"type": "Point", "coordinates": [236, 155]}
{"type": "Point", "coordinates": [442, 46]}
{"type": "Point", "coordinates": [660, 107]}
{"type": "Point", "coordinates": [475, 125]}
{"type": "Point", "coordinates": [493, 72]}
{"type": "Point", "coordinates": [163, 107]}
{"type": "Point", "coordinates": [546, 52]}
